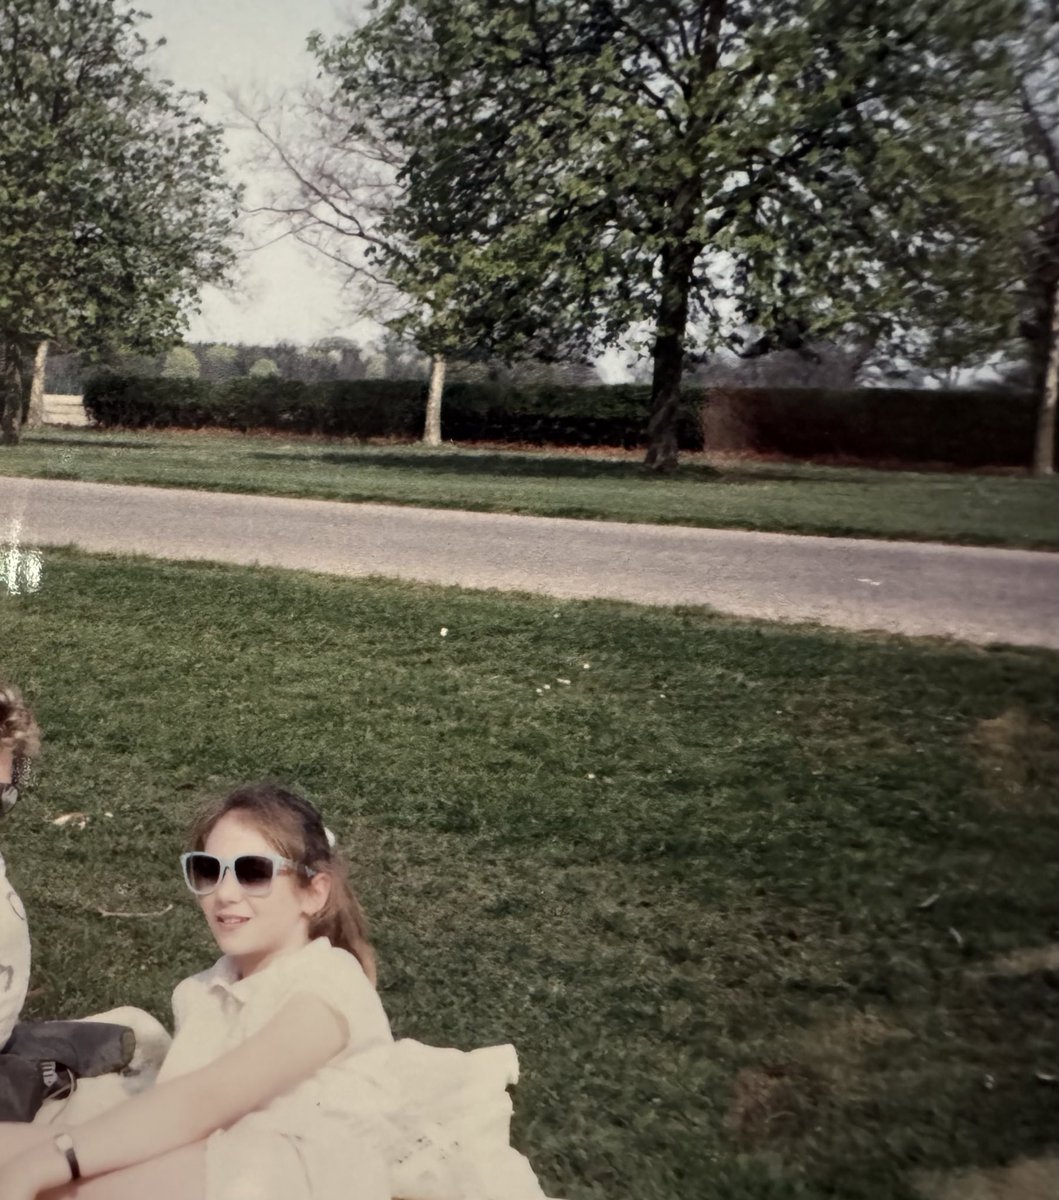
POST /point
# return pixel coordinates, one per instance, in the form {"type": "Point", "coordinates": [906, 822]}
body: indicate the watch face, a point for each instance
{"type": "Point", "coordinates": [8, 798]}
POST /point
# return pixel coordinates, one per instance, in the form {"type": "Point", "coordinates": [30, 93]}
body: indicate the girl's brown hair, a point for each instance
{"type": "Point", "coordinates": [296, 829]}
{"type": "Point", "coordinates": [19, 732]}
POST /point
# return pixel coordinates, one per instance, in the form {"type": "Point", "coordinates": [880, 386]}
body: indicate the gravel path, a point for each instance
{"type": "Point", "coordinates": [973, 594]}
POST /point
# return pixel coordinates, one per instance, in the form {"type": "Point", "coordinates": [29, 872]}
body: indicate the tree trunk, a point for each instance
{"type": "Point", "coordinates": [1044, 450]}
{"type": "Point", "coordinates": [33, 409]}
{"type": "Point", "coordinates": [432, 424]}
{"type": "Point", "coordinates": [678, 260]}
{"type": "Point", "coordinates": [10, 391]}
{"type": "Point", "coordinates": [678, 265]}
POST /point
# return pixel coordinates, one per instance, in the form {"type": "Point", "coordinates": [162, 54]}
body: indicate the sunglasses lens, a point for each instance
{"type": "Point", "coordinates": [253, 873]}
{"type": "Point", "coordinates": [203, 871]}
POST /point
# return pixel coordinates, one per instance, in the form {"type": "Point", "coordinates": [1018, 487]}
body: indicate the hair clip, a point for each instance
{"type": "Point", "coordinates": [331, 840]}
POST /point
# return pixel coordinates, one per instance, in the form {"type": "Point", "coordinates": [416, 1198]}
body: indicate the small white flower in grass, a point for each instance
{"type": "Point", "coordinates": [590, 775]}
{"type": "Point", "coordinates": [547, 687]}
{"type": "Point", "coordinates": [78, 820]}
{"type": "Point", "coordinates": [539, 691]}
{"type": "Point", "coordinates": [661, 695]}
{"type": "Point", "coordinates": [586, 666]}
{"type": "Point", "coordinates": [108, 814]}
{"type": "Point", "coordinates": [444, 631]}
{"type": "Point", "coordinates": [566, 681]}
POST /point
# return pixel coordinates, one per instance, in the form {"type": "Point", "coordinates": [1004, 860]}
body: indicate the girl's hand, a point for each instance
{"type": "Point", "coordinates": [17, 1185]}
{"type": "Point", "coordinates": [32, 1173]}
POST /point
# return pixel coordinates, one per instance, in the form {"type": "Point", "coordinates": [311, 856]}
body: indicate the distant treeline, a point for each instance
{"type": "Point", "coordinates": [330, 360]}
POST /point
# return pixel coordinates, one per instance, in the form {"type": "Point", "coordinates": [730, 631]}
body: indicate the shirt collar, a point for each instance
{"type": "Point", "coordinates": [224, 977]}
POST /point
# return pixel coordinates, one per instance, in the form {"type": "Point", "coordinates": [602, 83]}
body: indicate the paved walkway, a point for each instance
{"type": "Point", "coordinates": [973, 594]}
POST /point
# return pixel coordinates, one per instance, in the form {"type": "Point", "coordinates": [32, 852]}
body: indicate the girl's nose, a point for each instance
{"type": "Point", "coordinates": [228, 888]}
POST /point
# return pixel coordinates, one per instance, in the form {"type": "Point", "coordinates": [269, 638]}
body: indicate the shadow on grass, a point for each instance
{"type": "Point", "coordinates": [543, 466]}
{"type": "Point", "coordinates": [538, 464]}
{"type": "Point", "coordinates": [528, 465]}
{"type": "Point", "coordinates": [92, 441]}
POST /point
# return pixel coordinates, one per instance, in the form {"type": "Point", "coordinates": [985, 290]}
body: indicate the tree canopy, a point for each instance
{"type": "Point", "coordinates": [115, 205]}
{"type": "Point", "coordinates": [758, 174]}
{"type": "Point", "coordinates": [181, 363]}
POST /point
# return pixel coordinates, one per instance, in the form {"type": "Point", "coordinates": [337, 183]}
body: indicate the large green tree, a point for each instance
{"type": "Point", "coordinates": [991, 294]}
{"type": "Point", "coordinates": [114, 204]}
{"type": "Point", "coordinates": [1037, 57]}
{"type": "Point", "coordinates": [756, 173]}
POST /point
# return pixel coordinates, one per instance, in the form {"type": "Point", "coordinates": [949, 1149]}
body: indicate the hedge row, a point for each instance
{"type": "Point", "coordinates": [546, 414]}
{"type": "Point", "coordinates": [963, 428]}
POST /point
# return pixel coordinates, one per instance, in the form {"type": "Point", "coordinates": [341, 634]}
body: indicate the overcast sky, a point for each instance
{"type": "Point", "coordinates": [255, 46]}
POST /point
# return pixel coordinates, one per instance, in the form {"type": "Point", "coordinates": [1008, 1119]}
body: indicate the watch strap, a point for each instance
{"type": "Point", "coordinates": [64, 1143]}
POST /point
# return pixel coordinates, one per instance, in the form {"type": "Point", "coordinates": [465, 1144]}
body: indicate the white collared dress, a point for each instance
{"type": "Point", "coordinates": [322, 1139]}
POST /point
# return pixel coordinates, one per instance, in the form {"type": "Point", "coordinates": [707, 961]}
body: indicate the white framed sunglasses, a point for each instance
{"type": "Point", "coordinates": [254, 873]}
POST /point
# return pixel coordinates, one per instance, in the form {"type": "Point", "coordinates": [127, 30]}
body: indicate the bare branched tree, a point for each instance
{"type": "Point", "coordinates": [333, 185]}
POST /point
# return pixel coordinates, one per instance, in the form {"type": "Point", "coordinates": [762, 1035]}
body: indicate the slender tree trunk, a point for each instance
{"type": "Point", "coordinates": [10, 391]}
{"type": "Point", "coordinates": [33, 409]}
{"type": "Point", "coordinates": [432, 424]}
{"type": "Point", "coordinates": [1044, 450]}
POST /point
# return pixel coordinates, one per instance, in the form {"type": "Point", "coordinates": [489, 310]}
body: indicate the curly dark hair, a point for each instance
{"type": "Point", "coordinates": [19, 732]}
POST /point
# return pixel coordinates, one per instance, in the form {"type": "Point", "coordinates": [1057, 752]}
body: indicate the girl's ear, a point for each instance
{"type": "Point", "coordinates": [315, 896]}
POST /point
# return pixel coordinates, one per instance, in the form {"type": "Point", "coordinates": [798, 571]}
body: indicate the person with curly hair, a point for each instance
{"type": "Point", "coordinates": [19, 742]}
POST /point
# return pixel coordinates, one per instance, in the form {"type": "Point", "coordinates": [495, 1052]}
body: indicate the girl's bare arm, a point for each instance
{"type": "Point", "coordinates": [304, 1035]}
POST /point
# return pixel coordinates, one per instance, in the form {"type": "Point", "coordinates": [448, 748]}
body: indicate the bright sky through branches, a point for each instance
{"type": "Point", "coordinates": [256, 47]}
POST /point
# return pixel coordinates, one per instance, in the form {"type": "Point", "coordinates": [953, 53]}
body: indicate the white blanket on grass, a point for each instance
{"type": "Point", "coordinates": [447, 1136]}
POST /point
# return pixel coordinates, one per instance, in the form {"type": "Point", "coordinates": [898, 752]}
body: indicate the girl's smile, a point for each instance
{"type": "Point", "coordinates": [227, 922]}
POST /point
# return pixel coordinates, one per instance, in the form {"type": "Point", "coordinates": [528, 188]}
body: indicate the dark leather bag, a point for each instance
{"type": "Point", "coordinates": [42, 1059]}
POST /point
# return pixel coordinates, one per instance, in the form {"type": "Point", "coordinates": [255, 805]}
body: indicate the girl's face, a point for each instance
{"type": "Point", "coordinates": [254, 930]}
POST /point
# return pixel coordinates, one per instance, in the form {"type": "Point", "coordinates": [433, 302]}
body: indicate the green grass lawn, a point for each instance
{"type": "Point", "coordinates": [685, 863]}
{"type": "Point", "coordinates": [794, 498]}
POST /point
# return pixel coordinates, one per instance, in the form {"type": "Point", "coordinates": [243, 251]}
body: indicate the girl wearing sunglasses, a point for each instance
{"type": "Point", "coordinates": [264, 1094]}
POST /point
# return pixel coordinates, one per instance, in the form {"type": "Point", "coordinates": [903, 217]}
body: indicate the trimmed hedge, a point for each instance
{"type": "Point", "coordinates": [961, 428]}
{"type": "Point", "coordinates": [543, 415]}
{"type": "Point", "coordinates": [369, 408]}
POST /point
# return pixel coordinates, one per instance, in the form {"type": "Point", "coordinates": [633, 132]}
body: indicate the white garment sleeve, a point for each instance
{"type": "Point", "coordinates": [337, 978]}
{"type": "Point", "coordinates": [14, 956]}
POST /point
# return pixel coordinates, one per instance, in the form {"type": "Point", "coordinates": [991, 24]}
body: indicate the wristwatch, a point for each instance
{"type": "Point", "coordinates": [64, 1143]}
